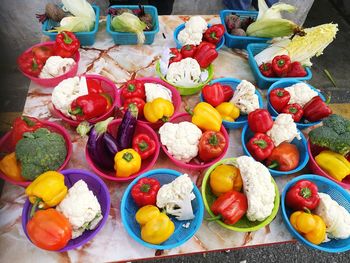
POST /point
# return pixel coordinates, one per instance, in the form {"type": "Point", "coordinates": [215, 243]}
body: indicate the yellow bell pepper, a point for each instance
{"type": "Point", "coordinates": [156, 227]}
{"type": "Point", "coordinates": [158, 109]}
{"type": "Point", "coordinates": [127, 162]}
{"type": "Point", "coordinates": [11, 168]}
{"type": "Point", "coordinates": [312, 227]}
{"type": "Point", "coordinates": [206, 117]}
{"type": "Point", "coordinates": [228, 111]}
{"type": "Point", "coordinates": [335, 164]}
{"type": "Point", "coordinates": [47, 190]}
{"type": "Point", "coordinates": [225, 178]}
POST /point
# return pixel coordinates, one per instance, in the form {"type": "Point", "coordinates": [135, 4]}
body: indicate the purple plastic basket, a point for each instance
{"type": "Point", "coordinates": [100, 190]}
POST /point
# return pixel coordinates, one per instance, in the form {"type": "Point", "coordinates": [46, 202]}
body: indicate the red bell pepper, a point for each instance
{"type": "Point", "coordinates": [42, 53]}
{"type": "Point", "coordinates": [94, 86]}
{"type": "Point", "coordinates": [206, 43]}
{"type": "Point", "coordinates": [88, 106]}
{"type": "Point", "coordinates": [266, 70]}
{"type": "Point", "coordinates": [316, 109]}
{"type": "Point", "coordinates": [211, 145]}
{"type": "Point", "coordinates": [284, 157]}
{"type": "Point", "coordinates": [281, 65]}
{"type": "Point", "coordinates": [30, 65]}
{"type": "Point", "coordinates": [144, 145]}
{"type": "Point", "coordinates": [140, 104]}
{"type": "Point", "coordinates": [260, 120]}
{"type": "Point", "coordinates": [133, 88]}
{"type": "Point", "coordinates": [213, 94]}
{"type": "Point", "coordinates": [188, 51]}
{"type": "Point", "coordinates": [279, 99]}
{"type": "Point", "coordinates": [260, 146]}
{"type": "Point", "coordinates": [295, 110]}
{"type": "Point", "coordinates": [24, 124]}
{"type": "Point", "coordinates": [205, 55]}
{"type": "Point", "coordinates": [304, 194]}
{"type": "Point", "coordinates": [296, 70]}
{"type": "Point", "coordinates": [144, 192]}
{"type": "Point", "coordinates": [175, 55]}
{"type": "Point", "coordinates": [214, 33]}
{"type": "Point", "coordinates": [228, 92]}
{"type": "Point", "coordinates": [230, 207]}
{"type": "Point", "coordinates": [66, 44]}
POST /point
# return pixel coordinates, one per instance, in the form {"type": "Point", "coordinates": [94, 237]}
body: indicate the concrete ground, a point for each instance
{"type": "Point", "coordinates": [19, 30]}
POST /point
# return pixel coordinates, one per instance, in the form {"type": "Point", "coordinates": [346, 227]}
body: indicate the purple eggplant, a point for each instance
{"type": "Point", "coordinates": [127, 128]}
{"type": "Point", "coordinates": [111, 143]}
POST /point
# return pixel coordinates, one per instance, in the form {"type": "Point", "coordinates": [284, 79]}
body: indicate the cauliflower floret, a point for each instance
{"type": "Point", "coordinates": [176, 197]}
{"type": "Point", "coordinates": [67, 91]}
{"type": "Point", "coordinates": [81, 207]}
{"type": "Point", "coordinates": [336, 217]}
{"type": "Point", "coordinates": [186, 73]}
{"type": "Point", "coordinates": [192, 34]}
{"type": "Point", "coordinates": [283, 129]}
{"type": "Point", "coordinates": [245, 98]}
{"type": "Point", "coordinates": [154, 91]}
{"type": "Point", "coordinates": [181, 139]}
{"type": "Point", "coordinates": [258, 188]}
{"type": "Point", "coordinates": [56, 66]}
{"type": "Point", "coordinates": [300, 93]}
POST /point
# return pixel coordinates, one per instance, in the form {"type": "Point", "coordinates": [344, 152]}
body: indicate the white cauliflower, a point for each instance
{"type": "Point", "coordinates": [245, 98]}
{"type": "Point", "coordinates": [336, 217]}
{"type": "Point", "coordinates": [186, 73]}
{"type": "Point", "coordinates": [56, 66]}
{"type": "Point", "coordinates": [300, 93]}
{"type": "Point", "coordinates": [81, 207]}
{"type": "Point", "coordinates": [181, 139]}
{"type": "Point", "coordinates": [283, 130]}
{"type": "Point", "coordinates": [258, 188]}
{"type": "Point", "coordinates": [176, 198]}
{"type": "Point", "coordinates": [154, 91]}
{"type": "Point", "coordinates": [67, 91]}
{"type": "Point", "coordinates": [192, 34]}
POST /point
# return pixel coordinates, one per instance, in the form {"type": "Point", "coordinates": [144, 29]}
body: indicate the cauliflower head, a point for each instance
{"type": "Point", "coordinates": [56, 66]}
{"type": "Point", "coordinates": [245, 98]}
{"type": "Point", "coordinates": [192, 34]}
{"type": "Point", "coordinates": [186, 73]}
{"type": "Point", "coordinates": [300, 93]}
{"type": "Point", "coordinates": [154, 91]}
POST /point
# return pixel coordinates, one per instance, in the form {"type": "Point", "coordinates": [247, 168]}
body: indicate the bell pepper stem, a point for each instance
{"type": "Point", "coordinates": [165, 119]}
{"type": "Point", "coordinates": [143, 146]}
{"type": "Point", "coordinates": [261, 143]}
{"type": "Point", "coordinates": [273, 165]}
{"type": "Point", "coordinates": [35, 206]}
{"type": "Point", "coordinates": [128, 156]}
{"type": "Point", "coordinates": [305, 192]}
{"type": "Point", "coordinates": [213, 218]}
{"type": "Point", "coordinates": [145, 188]}
{"type": "Point", "coordinates": [66, 38]}
{"type": "Point", "coordinates": [213, 140]}
{"type": "Point", "coordinates": [189, 110]}
{"type": "Point", "coordinates": [77, 111]}
{"type": "Point", "coordinates": [28, 121]}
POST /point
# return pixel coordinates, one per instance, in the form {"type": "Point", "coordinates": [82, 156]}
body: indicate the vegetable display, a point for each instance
{"type": "Point", "coordinates": [282, 67]}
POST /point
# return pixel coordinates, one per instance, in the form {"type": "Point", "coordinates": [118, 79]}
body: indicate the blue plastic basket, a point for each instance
{"type": "Point", "coordinates": [85, 38]}
{"type": "Point", "coordinates": [247, 134]}
{"type": "Point", "coordinates": [242, 119]}
{"type": "Point", "coordinates": [283, 84]}
{"type": "Point", "coordinates": [182, 26]}
{"type": "Point", "coordinates": [125, 38]}
{"type": "Point", "coordinates": [337, 193]}
{"type": "Point", "coordinates": [181, 234]}
{"type": "Point", "coordinates": [262, 81]}
{"type": "Point", "coordinates": [241, 42]}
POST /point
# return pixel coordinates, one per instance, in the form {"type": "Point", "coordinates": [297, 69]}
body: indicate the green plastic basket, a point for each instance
{"type": "Point", "coordinates": [183, 90]}
{"type": "Point", "coordinates": [243, 225]}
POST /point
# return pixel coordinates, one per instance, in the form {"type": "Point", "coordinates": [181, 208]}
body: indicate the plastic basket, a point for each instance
{"type": "Point", "coordinates": [241, 42]}
{"type": "Point", "coordinates": [242, 119]}
{"type": "Point", "coordinates": [262, 81]}
{"type": "Point", "coordinates": [85, 38]}
{"type": "Point", "coordinates": [181, 234]}
{"type": "Point", "coordinates": [125, 38]}
{"type": "Point", "coordinates": [338, 194]}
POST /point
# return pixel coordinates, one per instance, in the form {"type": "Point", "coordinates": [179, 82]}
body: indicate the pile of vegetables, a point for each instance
{"type": "Point", "coordinates": [200, 138]}
{"type": "Point", "coordinates": [173, 198]}
{"type": "Point", "coordinates": [281, 66]}
{"type": "Point", "coordinates": [317, 217]}
{"type": "Point", "coordinates": [271, 142]}
{"type": "Point", "coordinates": [59, 214]}
{"type": "Point", "coordinates": [37, 150]}
{"type": "Point", "coordinates": [50, 61]}
{"type": "Point", "coordinates": [300, 101]}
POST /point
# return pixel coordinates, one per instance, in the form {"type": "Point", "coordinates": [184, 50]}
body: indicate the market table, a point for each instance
{"type": "Point", "coordinates": [120, 63]}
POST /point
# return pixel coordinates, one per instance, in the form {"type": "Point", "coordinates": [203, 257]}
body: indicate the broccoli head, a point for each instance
{"type": "Point", "coordinates": [39, 152]}
{"type": "Point", "coordinates": [339, 124]}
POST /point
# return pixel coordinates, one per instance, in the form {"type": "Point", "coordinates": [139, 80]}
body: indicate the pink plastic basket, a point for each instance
{"type": "Point", "coordinates": [6, 147]}
{"type": "Point", "coordinates": [195, 165]}
{"type": "Point", "coordinates": [145, 165]}
{"type": "Point", "coordinates": [317, 169]}
{"type": "Point", "coordinates": [108, 87]}
{"type": "Point", "coordinates": [176, 99]}
{"type": "Point", "coordinates": [52, 82]}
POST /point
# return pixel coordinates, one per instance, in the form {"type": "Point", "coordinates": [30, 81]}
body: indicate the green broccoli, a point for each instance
{"type": "Point", "coordinates": [339, 124]}
{"type": "Point", "coordinates": [39, 152]}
